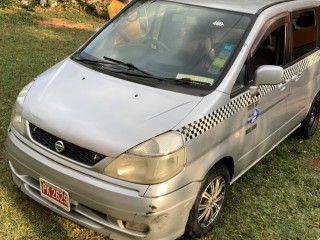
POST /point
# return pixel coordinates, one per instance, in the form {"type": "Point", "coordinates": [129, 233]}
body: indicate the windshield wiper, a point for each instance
{"type": "Point", "coordinates": [128, 66]}
{"type": "Point", "coordinates": [129, 69]}
{"type": "Point", "coordinates": [135, 71]}
{"type": "Point", "coordinates": [119, 67]}
{"type": "Point", "coordinates": [113, 61]}
{"type": "Point", "coordinates": [110, 64]}
{"type": "Point", "coordinates": [99, 62]}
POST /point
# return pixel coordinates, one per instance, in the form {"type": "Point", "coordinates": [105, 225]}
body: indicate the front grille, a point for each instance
{"type": "Point", "coordinates": [70, 150]}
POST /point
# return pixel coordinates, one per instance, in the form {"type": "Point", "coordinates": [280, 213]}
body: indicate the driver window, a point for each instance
{"type": "Point", "coordinates": [270, 51]}
{"type": "Point", "coordinates": [265, 55]}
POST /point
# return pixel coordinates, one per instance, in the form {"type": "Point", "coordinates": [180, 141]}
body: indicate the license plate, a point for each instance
{"type": "Point", "coordinates": [54, 194]}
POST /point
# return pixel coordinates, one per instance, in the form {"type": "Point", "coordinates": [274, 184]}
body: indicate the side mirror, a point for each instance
{"type": "Point", "coordinates": [266, 75]}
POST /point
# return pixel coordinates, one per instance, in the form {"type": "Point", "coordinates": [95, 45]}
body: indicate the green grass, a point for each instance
{"type": "Point", "coordinates": [279, 198]}
{"type": "Point", "coordinates": [26, 50]}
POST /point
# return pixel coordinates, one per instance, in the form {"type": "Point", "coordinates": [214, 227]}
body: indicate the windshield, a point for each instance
{"type": "Point", "coordinates": [169, 41]}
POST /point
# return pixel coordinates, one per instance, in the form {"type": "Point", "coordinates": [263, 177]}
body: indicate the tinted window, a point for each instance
{"type": "Point", "coordinates": [271, 51]}
{"type": "Point", "coordinates": [304, 33]}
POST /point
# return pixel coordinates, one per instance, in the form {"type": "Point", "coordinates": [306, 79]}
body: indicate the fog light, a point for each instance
{"type": "Point", "coordinates": [137, 227]}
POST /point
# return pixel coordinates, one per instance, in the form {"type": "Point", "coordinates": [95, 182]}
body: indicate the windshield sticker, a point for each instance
{"type": "Point", "coordinates": [217, 65]}
{"type": "Point", "coordinates": [218, 23]}
{"type": "Point", "coordinates": [224, 54]}
{"type": "Point", "coordinates": [220, 61]}
{"type": "Point", "coordinates": [196, 79]}
{"type": "Point", "coordinates": [229, 47]}
{"type": "Point", "coordinates": [253, 117]}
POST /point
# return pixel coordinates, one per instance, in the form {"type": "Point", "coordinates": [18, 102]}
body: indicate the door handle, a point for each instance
{"type": "Point", "coordinates": [296, 77]}
{"type": "Point", "coordinates": [282, 86]}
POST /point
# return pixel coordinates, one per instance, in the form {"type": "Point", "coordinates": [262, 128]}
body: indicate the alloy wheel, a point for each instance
{"type": "Point", "coordinates": [211, 201]}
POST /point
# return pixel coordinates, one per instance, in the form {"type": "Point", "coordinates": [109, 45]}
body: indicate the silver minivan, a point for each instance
{"type": "Point", "coordinates": [141, 131]}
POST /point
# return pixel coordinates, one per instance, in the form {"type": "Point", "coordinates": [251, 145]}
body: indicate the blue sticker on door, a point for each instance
{"type": "Point", "coordinates": [253, 117]}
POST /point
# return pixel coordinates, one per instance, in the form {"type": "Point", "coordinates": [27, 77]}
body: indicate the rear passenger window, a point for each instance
{"type": "Point", "coordinates": [304, 33]}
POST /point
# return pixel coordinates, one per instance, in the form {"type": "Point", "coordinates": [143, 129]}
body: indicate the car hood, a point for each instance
{"type": "Point", "coordinates": [100, 112]}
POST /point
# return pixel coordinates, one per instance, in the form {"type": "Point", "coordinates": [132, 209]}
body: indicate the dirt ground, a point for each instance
{"type": "Point", "coordinates": [315, 163]}
{"type": "Point", "coordinates": [58, 22]}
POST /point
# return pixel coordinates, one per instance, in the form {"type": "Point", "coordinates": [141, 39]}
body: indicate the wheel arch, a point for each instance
{"type": "Point", "coordinates": [228, 162]}
{"type": "Point", "coordinates": [312, 99]}
{"type": "Point", "coordinates": [224, 166]}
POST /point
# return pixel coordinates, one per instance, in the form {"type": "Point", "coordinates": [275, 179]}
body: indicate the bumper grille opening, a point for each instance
{"type": "Point", "coordinates": [64, 148]}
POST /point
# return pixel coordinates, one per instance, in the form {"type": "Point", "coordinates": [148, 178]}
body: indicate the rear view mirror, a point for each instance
{"type": "Point", "coordinates": [266, 75]}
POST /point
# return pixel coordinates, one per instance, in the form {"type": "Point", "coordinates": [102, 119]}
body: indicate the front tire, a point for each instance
{"type": "Point", "coordinates": [310, 123]}
{"type": "Point", "coordinates": [210, 202]}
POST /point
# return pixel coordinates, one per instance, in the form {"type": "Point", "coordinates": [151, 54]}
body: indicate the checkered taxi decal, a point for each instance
{"type": "Point", "coordinates": [242, 101]}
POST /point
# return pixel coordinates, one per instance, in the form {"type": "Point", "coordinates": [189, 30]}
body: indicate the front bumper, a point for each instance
{"type": "Point", "coordinates": [97, 204]}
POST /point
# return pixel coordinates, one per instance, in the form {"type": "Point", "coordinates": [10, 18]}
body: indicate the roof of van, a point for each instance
{"type": "Point", "coordinates": [246, 6]}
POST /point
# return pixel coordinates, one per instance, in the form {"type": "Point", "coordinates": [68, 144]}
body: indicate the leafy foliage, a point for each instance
{"type": "Point", "coordinates": [5, 3]}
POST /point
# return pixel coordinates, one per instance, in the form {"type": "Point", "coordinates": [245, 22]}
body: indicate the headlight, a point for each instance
{"type": "Point", "coordinates": [151, 162]}
{"type": "Point", "coordinates": [16, 117]}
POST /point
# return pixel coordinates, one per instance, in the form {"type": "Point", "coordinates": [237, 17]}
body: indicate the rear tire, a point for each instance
{"type": "Point", "coordinates": [310, 123]}
{"type": "Point", "coordinates": [210, 202]}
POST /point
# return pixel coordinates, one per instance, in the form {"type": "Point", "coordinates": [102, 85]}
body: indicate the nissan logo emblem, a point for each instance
{"type": "Point", "coordinates": [59, 146]}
